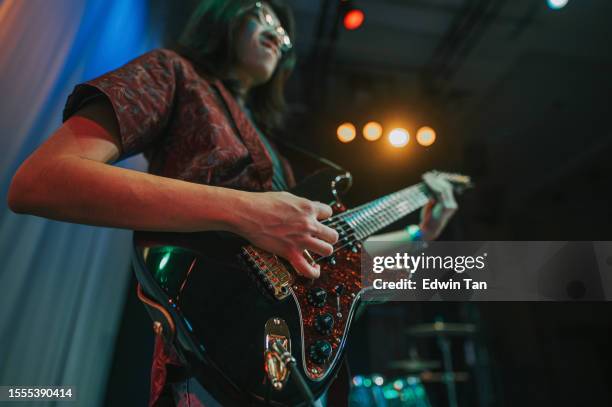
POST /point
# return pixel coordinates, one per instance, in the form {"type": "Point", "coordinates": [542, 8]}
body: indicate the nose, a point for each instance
{"type": "Point", "coordinates": [273, 36]}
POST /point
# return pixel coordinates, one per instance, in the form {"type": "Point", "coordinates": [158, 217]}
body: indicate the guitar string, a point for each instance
{"type": "Point", "coordinates": [336, 219]}
{"type": "Point", "coordinates": [369, 224]}
{"type": "Point", "coordinates": [373, 223]}
{"type": "Point", "coordinates": [378, 214]}
{"type": "Point", "coordinates": [374, 211]}
{"type": "Point", "coordinates": [350, 242]}
{"type": "Point", "coordinates": [369, 221]}
{"type": "Point", "coordinates": [420, 187]}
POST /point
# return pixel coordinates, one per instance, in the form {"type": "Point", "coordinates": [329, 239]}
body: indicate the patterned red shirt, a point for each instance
{"type": "Point", "coordinates": [180, 120]}
{"type": "Point", "coordinates": [189, 127]}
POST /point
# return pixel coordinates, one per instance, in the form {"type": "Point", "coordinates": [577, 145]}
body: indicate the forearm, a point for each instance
{"type": "Point", "coordinates": [79, 190]}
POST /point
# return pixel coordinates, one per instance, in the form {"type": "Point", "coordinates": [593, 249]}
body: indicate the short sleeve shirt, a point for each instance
{"type": "Point", "coordinates": [189, 127]}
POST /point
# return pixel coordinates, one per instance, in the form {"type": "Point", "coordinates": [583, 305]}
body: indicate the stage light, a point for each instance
{"type": "Point", "coordinates": [399, 137]}
{"type": "Point", "coordinates": [346, 132]}
{"type": "Point", "coordinates": [557, 4]}
{"type": "Point", "coordinates": [372, 131]}
{"type": "Point", "coordinates": [353, 19]}
{"type": "Point", "coordinates": [426, 136]}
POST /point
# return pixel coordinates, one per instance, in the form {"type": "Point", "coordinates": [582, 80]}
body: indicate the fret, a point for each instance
{"type": "Point", "coordinates": [363, 221]}
{"type": "Point", "coordinates": [368, 218]}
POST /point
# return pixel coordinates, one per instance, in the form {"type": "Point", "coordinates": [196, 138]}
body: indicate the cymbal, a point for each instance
{"type": "Point", "coordinates": [441, 328]}
{"type": "Point", "coordinates": [414, 365]}
{"type": "Point", "coordinates": [441, 377]}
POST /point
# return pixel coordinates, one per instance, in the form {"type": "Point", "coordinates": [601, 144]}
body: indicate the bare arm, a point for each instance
{"type": "Point", "coordinates": [69, 178]}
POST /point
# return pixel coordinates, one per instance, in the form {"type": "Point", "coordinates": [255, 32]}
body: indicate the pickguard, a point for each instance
{"type": "Point", "coordinates": [346, 272]}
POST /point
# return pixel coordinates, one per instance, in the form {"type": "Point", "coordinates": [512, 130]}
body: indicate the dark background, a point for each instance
{"type": "Point", "coordinates": [519, 96]}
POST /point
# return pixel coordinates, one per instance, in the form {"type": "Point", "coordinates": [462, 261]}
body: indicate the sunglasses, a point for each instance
{"type": "Point", "coordinates": [268, 21]}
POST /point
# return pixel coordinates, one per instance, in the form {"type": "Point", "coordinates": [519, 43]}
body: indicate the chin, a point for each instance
{"type": "Point", "coordinates": [264, 74]}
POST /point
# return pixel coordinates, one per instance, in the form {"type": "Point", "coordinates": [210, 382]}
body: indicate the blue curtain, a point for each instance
{"type": "Point", "coordinates": [61, 285]}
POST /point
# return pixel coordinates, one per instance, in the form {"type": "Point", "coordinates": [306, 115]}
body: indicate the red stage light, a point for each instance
{"type": "Point", "coordinates": [353, 19]}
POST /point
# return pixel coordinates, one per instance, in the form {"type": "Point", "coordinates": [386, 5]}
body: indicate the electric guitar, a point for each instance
{"type": "Point", "coordinates": [227, 306]}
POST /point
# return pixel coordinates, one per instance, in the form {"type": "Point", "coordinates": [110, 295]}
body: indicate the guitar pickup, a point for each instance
{"type": "Point", "coordinates": [269, 271]}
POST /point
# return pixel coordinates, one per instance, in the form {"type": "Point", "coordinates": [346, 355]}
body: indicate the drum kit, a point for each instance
{"type": "Point", "coordinates": [406, 384]}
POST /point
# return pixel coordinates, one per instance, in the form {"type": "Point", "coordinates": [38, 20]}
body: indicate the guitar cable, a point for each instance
{"type": "Point", "coordinates": [291, 363]}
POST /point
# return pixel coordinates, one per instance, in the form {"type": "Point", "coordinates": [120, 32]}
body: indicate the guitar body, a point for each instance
{"type": "Point", "coordinates": [219, 299]}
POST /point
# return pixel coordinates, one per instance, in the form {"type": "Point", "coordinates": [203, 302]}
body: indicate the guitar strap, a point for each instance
{"type": "Point", "coordinates": [305, 162]}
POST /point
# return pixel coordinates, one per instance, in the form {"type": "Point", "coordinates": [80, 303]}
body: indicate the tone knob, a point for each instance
{"type": "Point", "coordinates": [324, 323]}
{"type": "Point", "coordinates": [320, 352]}
{"type": "Point", "coordinates": [317, 297]}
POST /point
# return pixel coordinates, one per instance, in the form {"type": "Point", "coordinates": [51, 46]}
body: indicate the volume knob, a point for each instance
{"type": "Point", "coordinates": [317, 297]}
{"type": "Point", "coordinates": [324, 323]}
{"type": "Point", "coordinates": [320, 352]}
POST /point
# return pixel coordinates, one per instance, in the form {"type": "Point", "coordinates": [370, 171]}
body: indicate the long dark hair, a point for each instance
{"type": "Point", "coordinates": [208, 41]}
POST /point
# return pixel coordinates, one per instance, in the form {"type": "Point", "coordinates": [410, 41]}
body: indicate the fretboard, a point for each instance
{"type": "Point", "coordinates": [367, 219]}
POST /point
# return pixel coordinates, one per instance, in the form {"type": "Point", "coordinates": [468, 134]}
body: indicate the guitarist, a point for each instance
{"type": "Point", "coordinates": [202, 114]}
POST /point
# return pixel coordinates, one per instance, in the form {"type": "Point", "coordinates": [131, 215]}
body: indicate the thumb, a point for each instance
{"type": "Point", "coordinates": [427, 210]}
{"type": "Point", "coordinates": [303, 267]}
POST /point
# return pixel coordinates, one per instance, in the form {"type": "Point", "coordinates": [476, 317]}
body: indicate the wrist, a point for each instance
{"type": "Point", "coordinates": [420, 234]}
{"type": "Point", "coordinates": [417, 238]}
{"type": "Point", "coordinates": [233, 205]}
{"type": "Point", "coordinates": [415, 233]}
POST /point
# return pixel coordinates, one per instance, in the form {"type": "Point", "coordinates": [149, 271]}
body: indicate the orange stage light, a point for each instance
{"type": "Point", "coordinates": [399, 137]}
{"type": "Point", "coordinates": [346, 132]}
{"type": "Point", "coordinates": [426, 136]}
{"type": "Point", "coordinates": [372, 131]}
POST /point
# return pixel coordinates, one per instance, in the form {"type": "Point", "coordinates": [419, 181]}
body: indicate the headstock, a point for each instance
{"type": "Point", "coordinates": [460, 182]}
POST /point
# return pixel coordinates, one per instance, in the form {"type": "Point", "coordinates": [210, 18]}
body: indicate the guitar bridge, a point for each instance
{"type": "Point", "coordinates": [269, 271]}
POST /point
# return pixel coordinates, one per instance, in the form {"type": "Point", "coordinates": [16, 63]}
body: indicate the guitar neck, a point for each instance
{"type": "Point", "coordinates": [369, 218]}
